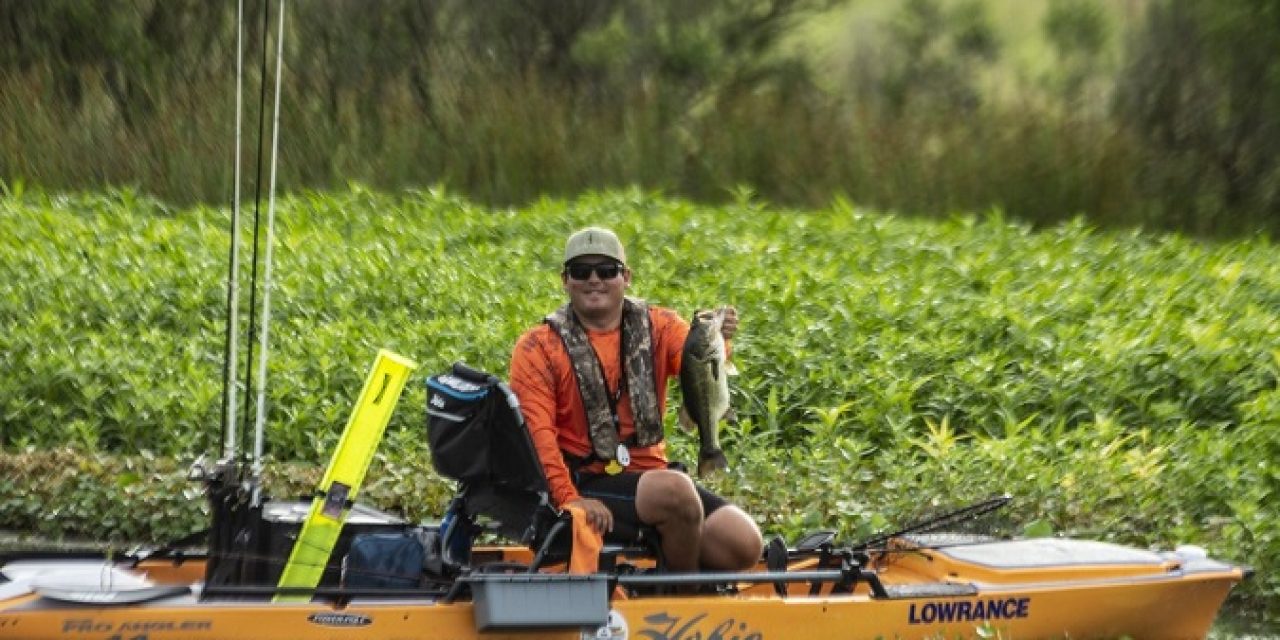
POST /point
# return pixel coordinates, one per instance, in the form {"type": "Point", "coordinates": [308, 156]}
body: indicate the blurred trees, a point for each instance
{"type": "Point", "coordinates": [937, 50]}
{"type": "Point", "coordinates": [1078, 31]}
{"type": "Point", "coordinates": [508, 100]}
{"type": "Point", "coordinates": [134, 50]}
{"type": "Point", "coordinates": [1201, 91]}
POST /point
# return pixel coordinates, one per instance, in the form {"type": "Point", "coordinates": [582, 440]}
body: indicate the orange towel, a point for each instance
{"type": "Point", "coordinates": [586, 543]}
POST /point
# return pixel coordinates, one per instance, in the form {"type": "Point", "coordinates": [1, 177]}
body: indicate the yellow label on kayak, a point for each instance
{"type": "Point", "coordinates": [346, 471]}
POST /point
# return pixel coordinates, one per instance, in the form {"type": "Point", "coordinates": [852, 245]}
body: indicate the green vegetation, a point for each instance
{"type": "Point", "coordinates": [1119, 385]}
{"type": "Point", "coordinates": [1153, 113]}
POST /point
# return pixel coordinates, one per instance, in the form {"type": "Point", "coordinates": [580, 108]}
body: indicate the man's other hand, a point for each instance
{"type": "Point", "coordinates": [730, 325]}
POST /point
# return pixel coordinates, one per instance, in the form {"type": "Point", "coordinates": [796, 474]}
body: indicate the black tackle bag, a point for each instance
{"type": "Point", "coordinates": [400, 560]}
{"type": "Point", "coordinates": [476, 433]}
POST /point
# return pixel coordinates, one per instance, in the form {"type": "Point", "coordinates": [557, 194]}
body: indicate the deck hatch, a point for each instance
{"type": "Point", "coordinates": [1050, 553]}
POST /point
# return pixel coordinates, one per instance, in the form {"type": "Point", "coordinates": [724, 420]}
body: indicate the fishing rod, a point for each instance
{"type": "Point", "coordinates": [231, 428]}
{"type": "Point", "coordinates": [230, 436]}
{"type": "Point", "coordinates": [260, 423]}
{"type": "Point", "coordinates": [257, 211]}
{"type": "Point", "coordinates": [956, 516]}
{"type": "Point", "coordinates": [225, 485]}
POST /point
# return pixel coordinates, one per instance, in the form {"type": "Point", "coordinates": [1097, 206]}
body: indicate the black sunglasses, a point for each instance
{"type": "Point", "coordinates": [606, 270]}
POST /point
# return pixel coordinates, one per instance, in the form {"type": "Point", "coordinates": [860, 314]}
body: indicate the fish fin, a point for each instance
{"type": "Point", "coordinates": [730, 369]}
{"type": "Point", "coordinates": [715, 370]}
{"type": "Point", "coordinates": [730, 416]}
{"type": "Point", "coordinates": [685, 421]}
{"type": "Point", "coordinates": [711, 461]}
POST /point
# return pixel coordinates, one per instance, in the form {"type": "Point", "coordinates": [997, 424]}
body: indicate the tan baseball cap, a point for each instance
{"type": "Point", "coordinates": [594, 241]}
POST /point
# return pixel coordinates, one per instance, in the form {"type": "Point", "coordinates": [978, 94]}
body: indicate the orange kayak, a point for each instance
{"type": "Point", "coordinates": [918, 588]}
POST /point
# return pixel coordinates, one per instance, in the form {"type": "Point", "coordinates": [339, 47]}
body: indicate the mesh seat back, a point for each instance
{"type": "Point", "coordinates": [477, 436]}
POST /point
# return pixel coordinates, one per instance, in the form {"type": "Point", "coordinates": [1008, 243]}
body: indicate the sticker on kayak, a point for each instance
{"type": "Point", "coordinates": [664, 626]}
{"type": "Point", "coordinates": [969, 610]}
{"type": "Point", "coordinates": [614, 629]}
{"type": "Point", "coordinates": [340, 619]}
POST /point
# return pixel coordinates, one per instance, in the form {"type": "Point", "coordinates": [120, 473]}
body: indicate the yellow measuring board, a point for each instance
{"type": "Point", "coordinates": [342, 480]}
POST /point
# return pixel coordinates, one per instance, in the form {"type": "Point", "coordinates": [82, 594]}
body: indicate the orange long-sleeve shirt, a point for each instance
{"type": "Point", "coordinates": [543, 379]}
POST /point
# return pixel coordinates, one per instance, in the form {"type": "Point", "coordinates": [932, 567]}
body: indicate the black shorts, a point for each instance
{"type": "Point", "coordinates": [619, 494]}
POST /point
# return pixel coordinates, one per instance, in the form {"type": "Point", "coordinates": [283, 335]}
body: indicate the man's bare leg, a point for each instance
{"type": "Point", "coordinates": [730, 540]}
{"type": "Point", "coordinates": [668, 501]}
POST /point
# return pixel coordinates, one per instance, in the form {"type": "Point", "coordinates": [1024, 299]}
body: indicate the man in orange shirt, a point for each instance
{"type": "Point", "coordinates": [592, 383]}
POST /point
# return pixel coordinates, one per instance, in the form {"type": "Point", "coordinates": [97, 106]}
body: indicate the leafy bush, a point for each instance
{"type": "Point", "coordinates": [1123, 385]}
{"type": "Point", "coordinates": [114, 333]}
{"type": "Point", "coordinates": [67, 493]}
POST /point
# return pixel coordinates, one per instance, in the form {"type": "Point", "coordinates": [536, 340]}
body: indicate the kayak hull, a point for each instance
{"type": "Point", "coordinates": [1181, 610]}
{"type": "Point", "coordinates": [927, 593]}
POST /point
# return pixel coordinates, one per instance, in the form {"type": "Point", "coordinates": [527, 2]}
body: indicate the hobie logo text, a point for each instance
{"type": "Point", "coordinates": [662, 626]}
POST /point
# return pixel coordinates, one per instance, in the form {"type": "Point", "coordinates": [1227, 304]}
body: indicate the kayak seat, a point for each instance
{"type": "Point", "coordinates": [530, 520]}
{"type": "Point", "coordinates": [477, 437]}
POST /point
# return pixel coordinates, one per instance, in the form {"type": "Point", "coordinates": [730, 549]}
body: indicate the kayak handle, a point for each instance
{"type": "Point", "coordinates": [479, 377]}
{"type": "Point", "coordinates": [474, 375]}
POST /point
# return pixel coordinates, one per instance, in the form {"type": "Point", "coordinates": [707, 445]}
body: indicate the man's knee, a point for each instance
{"type": "Point", "coordinates": [731, 539]}
{"type": "Point", "coordinates": [665, 496]}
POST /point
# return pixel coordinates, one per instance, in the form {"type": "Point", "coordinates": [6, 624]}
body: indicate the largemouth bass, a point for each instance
{"type": "Point", "coordinates": [704, 382]}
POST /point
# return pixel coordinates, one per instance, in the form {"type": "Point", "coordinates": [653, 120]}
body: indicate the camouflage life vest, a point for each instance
{"type": "Point", "coordinates": [637, 375]}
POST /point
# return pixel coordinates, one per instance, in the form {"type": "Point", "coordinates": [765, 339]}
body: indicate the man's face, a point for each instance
{"type": "Point", "coordinates": [592, 292]}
